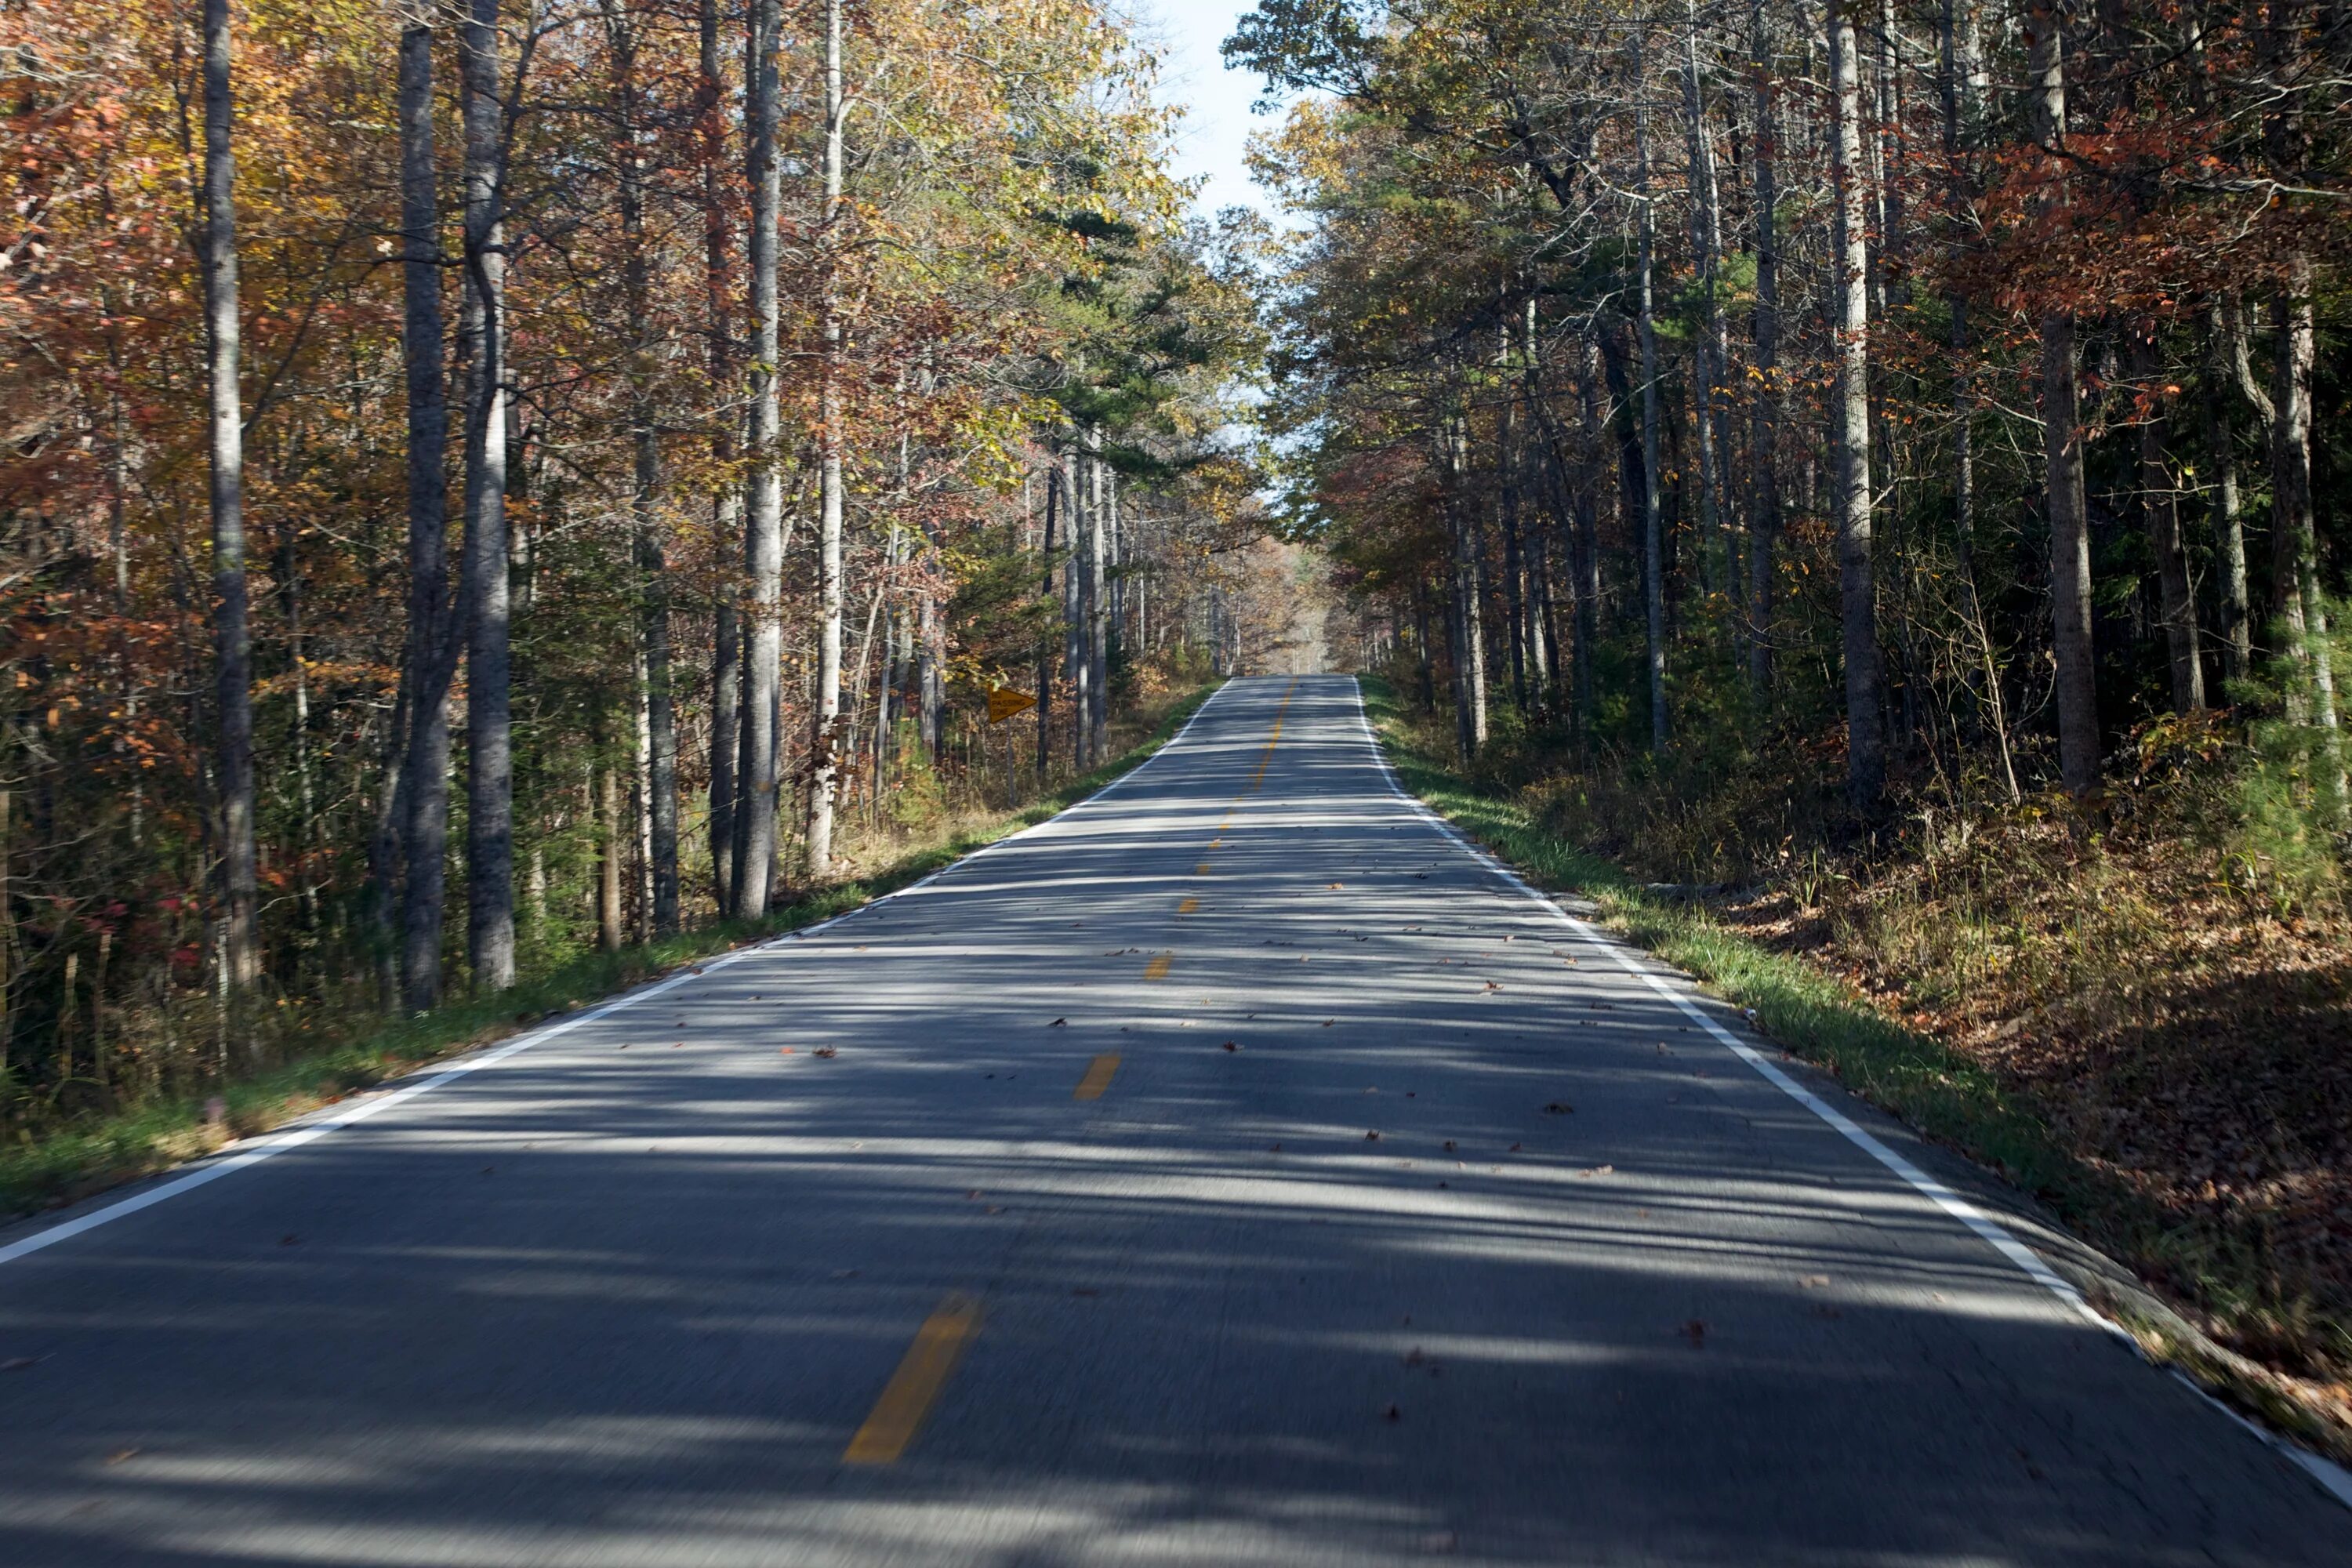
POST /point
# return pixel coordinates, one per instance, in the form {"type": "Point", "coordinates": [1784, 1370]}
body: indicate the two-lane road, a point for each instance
{"type": "Point", "coordinates": [1231, 1171]}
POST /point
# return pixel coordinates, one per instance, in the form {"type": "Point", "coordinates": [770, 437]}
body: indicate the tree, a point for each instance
{"type": "Point", "coordinates": [232, 638]}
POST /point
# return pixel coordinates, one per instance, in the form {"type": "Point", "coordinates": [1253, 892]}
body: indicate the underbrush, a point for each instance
{"type": "Point", "coordinates": [2137, 1006]}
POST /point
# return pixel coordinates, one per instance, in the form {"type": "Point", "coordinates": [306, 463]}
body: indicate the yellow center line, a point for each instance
{"type": "Point", "coordinates": [1274, 740]}
{"type": "Point", "coordinates": [1097, 1078]}
{"type": "Point", "coordinates": [915, 1387]}
{"type": "Point", "coordinates": [1158, 968]}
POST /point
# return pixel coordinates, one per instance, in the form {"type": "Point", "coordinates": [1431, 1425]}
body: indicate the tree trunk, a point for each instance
{"type": "Point", "coordinates": [1653, 564]}
{"type": "Point", "coordinates": [609, 931]}
{"type": "Point", "coordinates": [490, 754]}
{"type": "Point", "coordinates": [1099, 524]}
{"type": "Point", "coordinates": [1046, 646]}
{"type": "Point", "coordinates": [1764, 412]}
{"type": "Point", "coordinates": [2229, 529]}
{"type": "Point", "coordinates": [1077, 609]}
{"type": "Point", "coordinates": [2296, 526]}
{"type": "Point", "coordinates": [1865, 774]}
{"type": "Point", "coordinates": [1469, 618]}
{"type": "Point", "coordinates": [755, 854]}
{"type": "Point", "coordinates": [824, 763]}
{"type": "Point", "coordinates": [421, 797]}
{"type": "Point", "coordinates": [1706, 371]}
{"type": "Point", "coordinates": [727, 656]}
{"type": "Point", "coordinates": [2160, 504]}
{"type": "Point", "coordinates": [1507, 502]}
{"type": "Point", "coordinates": [2062, 444]}
{"type": "Point", "coordinates": [660, 764]}
{"type": "Point", "coordinates": [232, 637]}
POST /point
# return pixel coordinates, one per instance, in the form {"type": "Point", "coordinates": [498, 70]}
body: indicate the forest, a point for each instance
{"type": "Point", "coordinates": [492, 482]}
{"type": "Point", "coordinates": [1870, 468]}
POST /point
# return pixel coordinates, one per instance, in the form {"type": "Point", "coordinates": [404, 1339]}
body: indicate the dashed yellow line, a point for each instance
{"type": "Point", "coordinates": [915, 1387]}
{"type": "Point", "coordinates": [1097, 1078]}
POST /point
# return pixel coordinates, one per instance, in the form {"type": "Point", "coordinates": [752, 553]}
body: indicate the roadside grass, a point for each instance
{"type": "Point", "coordinates": [74, 1160]}
{"type": "Point", "coordinates": [1934, 1088]}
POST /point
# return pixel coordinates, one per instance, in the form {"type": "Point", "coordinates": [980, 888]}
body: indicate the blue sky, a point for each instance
{"type": "Point", "coordinates": [1218, 127]}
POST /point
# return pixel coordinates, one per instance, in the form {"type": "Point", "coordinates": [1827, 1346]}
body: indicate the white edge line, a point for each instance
{"type": "Point", "coordinates": [212, 1171]}
{"type": "Point", "coordinates": [2332, 1478]}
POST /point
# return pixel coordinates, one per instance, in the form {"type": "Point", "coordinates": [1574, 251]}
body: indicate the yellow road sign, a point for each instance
{"type": "Point", "coordinates": [1003, 702]}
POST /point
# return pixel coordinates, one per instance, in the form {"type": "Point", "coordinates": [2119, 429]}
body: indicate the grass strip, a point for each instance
{"type": "Point", "coordinates": [72, 1161]}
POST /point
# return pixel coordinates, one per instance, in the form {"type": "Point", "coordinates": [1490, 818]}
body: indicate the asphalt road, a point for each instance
{"type": "Point", "coordinates": [1409, 1222]}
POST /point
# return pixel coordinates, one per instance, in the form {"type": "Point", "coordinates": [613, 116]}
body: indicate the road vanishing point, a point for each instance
{"type": "Point", "coordinates": [1237, 1169]}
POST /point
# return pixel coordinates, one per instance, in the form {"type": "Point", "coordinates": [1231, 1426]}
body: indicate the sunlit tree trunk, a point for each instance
{"type": "Point", "coordinates": [1098, 629]}
{"type": "Point", "coordinates": [755, 853]}
{"type": "Point", "coordinates": [489, 755]}
{"type": "Point", "coordinates": [1046, 645]}
{"type": "Point", "coordinates": [2294, 524]}
{"type": "Point", "coordinates": [823, 763]}
{"type": "Point", "coordinates": [1850, 424]}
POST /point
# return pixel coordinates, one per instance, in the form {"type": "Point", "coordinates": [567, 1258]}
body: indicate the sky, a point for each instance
{"type": "Point", "coordinates": [1216, 131]}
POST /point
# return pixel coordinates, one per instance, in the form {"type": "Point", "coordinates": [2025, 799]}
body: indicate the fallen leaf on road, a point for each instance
{"type": "Point", "coordinates": [1371, 1137]}
{"type": "Point", "coordinates": [1230, 1047]}
{"type": "Point", "coordinates": [1338, 884]}
{"type": "Point", "coordinates": [1492, 986]}
{"type": "Point", "coordinates": [824, 1051]}
{"type": "Point", "coordinates": [1057, 1022]}
{"type": "Point", "coordinates": [785, 1052]}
